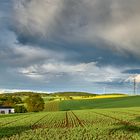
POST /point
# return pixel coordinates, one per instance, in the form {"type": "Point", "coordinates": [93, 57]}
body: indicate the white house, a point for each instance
{"type": "Point", "coordinates": [6, 110]}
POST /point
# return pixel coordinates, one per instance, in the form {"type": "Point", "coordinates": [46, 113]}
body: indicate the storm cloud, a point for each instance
{"type": "Point", "coordinates": [91, 42]}
{"type": "Point", "coordinates": [114, 22]}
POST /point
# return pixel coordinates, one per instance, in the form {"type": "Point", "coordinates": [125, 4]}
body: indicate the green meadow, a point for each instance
{"type": "Point", "coordinates": [103, 103]}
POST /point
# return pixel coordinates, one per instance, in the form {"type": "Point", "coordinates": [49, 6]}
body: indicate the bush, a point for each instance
{"type": "Point", "coordinates": [20, 109]}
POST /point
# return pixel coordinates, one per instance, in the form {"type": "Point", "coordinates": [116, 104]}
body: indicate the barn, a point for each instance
{"type": "Point", "coordinates": [6, 110]}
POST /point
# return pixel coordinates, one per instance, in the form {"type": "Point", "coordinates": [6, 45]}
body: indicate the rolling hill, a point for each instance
{"type": "Point", "coordinates": [120, 102]}
{"type": "Point", "coordinates": [73, 94]}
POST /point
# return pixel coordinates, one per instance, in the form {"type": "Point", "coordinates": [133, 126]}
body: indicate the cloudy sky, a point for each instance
{"type": "Point", "coordinates": [69, 45]}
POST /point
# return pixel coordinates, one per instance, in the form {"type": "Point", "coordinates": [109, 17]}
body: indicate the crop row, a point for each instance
{"type": "Point", "coordinates": [52, 106]}
{"type": "Point", "coordinates": [90, 124]}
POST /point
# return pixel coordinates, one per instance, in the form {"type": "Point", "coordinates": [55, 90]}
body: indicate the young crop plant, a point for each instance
{"type": "Point", "coordinates": [90, 124]}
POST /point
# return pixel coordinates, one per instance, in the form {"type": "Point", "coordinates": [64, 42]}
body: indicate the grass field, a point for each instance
{"type": "Point", "coordinates": [128, 101]}
{"type": "Point", "coordinates": [99, 119]}
{"type": "Point", "coordinates": [82, 124]}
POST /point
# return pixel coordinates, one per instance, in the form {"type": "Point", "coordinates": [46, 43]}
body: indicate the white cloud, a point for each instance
{"type": "Point", "coordinates": [137, 77]}
{"type": "Point", "coordinates": [18, 90]}
{"type": "Point", "coordinates": [132, 77]}
{"type": "Point", "coordinates": [29, 53]}
{"type": "Point", "coordinates": [37, 17]}
{"type": "Point", "coordinates": [87, 72]}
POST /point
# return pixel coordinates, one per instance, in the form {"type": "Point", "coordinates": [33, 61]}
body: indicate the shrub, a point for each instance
{"type": "Point", "coordinates": [20, 109]}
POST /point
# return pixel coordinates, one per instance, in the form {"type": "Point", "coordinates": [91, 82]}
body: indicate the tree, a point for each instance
{"type": "Point", "coordinates": [35, 103]}
{"type": "Point", "coordinates": [9, 101]}
{"type": "Point", "coordinates": [17, 100]}
{"type": "Point", "coordinates": [20, 109]}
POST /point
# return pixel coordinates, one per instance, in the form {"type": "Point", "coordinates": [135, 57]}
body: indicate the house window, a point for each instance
{"type": "Point", "coordinates": [2, 112]}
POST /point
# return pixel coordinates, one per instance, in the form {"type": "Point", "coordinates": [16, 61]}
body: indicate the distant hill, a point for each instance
{"type": "Point", "coordinates": [52, 94]}
{"type": "Point", "coordinates": [73, 94]}
{"type": "Point", "coordinates": [113, 94]}
{"type": "Point", "coordinates": [25, 93]}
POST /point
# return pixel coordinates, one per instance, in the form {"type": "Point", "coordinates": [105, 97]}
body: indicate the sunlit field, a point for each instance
{"type": "Point", "coordinates": [73, 125]}
{"type": "Point", "coordinates": [91, 119]}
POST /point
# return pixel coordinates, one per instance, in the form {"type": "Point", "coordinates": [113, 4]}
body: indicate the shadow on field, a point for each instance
{"type": "Point", "coordinates": [137, 118]}
{"type": "Point", "coordinates": [126, 130]}
{"type": "Point", "coordinates": [8, 131]}
{"type": "Point", "coordinates": [11, 115]}
{"type": "Point", "coordinates": [130, 129]}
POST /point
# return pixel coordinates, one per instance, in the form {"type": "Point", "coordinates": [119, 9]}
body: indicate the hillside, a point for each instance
{"type": "Point", "coordinates": [25, 94]}
{"type": "Point", "coordinates": [121, 102]}
{"type": "Point", "coordinates": [114, 94]}
{"type": "Point", "coordinates": [73, 94]}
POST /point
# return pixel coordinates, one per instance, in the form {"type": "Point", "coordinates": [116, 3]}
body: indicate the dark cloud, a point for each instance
{"type": "Point", "coordinates": [68, 43]}
{"type": "Point", "coordinates": [132, 71]}
{"type": "Point", "coordinates": [73, 25]}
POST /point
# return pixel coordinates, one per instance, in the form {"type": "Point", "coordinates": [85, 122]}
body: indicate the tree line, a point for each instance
{"type": "Point", "coordinates": [31, 103]}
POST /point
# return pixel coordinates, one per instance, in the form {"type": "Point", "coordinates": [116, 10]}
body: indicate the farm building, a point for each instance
{"type": "Point", "coordinates": [6, 110]}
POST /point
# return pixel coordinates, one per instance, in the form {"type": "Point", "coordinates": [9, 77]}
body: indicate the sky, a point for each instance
{"type": "Point", "coordinates": [69, 45]}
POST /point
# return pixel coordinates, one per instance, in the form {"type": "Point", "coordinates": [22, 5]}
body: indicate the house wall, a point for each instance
{"type": "Point", "coordinates": [12, 110]}
{"type": "Point", "coordinates": [6, 111]}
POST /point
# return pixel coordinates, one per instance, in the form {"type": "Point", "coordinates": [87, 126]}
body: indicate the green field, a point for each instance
{"type": "Point", "coordinates": [129, 101]}
{"type": "Point", "coordinates": [96, 119]}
